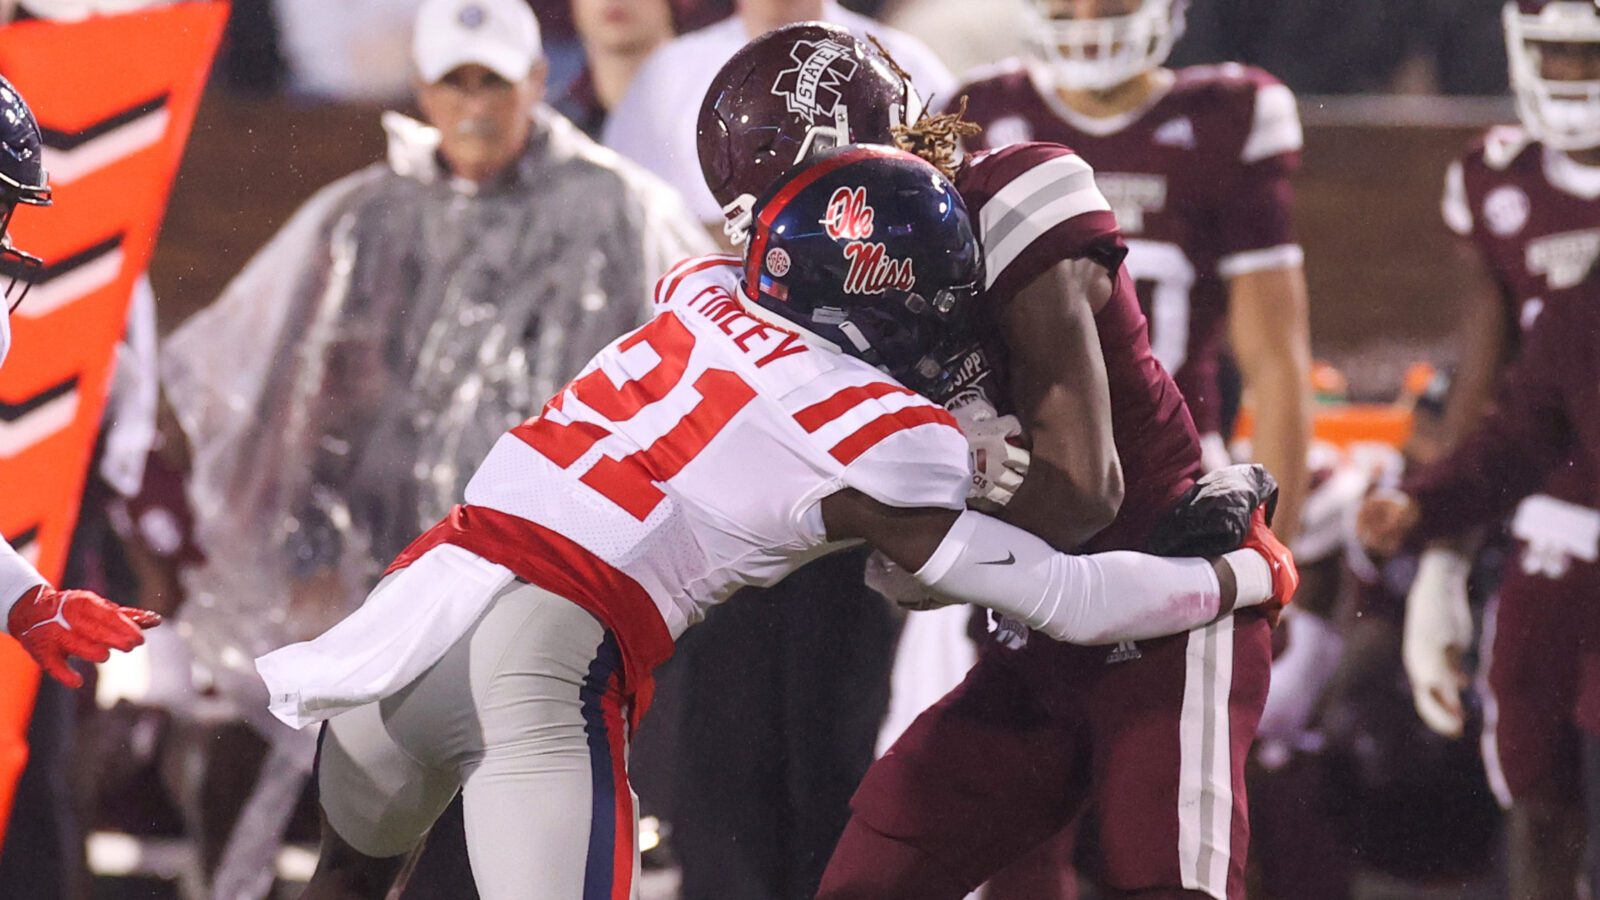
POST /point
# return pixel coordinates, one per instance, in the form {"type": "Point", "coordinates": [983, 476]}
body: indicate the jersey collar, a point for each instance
{"type": "Point", "coordinates": [1571, 176]}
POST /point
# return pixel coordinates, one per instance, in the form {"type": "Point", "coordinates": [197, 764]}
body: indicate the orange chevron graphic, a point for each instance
{"type": "Point", "coordinates": [115, 97]}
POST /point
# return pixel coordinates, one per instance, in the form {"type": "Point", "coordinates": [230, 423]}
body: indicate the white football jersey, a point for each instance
{"type": "Point", "coordinates": [690, 455]}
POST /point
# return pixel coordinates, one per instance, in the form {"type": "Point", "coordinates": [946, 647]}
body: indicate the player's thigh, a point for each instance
{"type": "Point", "coordinates": [1172, 731]}
{"type": "Point", "coordinates": [978, 779]}
{"type": "Point", "coordinates": [549, 812]}
{"type": "Point", "coordinates": [374, 795]}
{"type": "Point", "coordinates": [1532, 660]}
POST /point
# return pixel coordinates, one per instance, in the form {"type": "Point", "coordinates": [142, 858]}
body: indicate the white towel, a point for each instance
{"type": "Point", "coordinates": [406, 624]}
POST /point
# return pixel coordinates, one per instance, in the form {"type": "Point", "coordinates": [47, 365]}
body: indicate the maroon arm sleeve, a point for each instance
{"type": "Point", "coordinates": [1523, 437]}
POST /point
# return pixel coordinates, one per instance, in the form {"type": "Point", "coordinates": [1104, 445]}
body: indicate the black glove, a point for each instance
{"type": "Point", "coordinates": [1213, 516]}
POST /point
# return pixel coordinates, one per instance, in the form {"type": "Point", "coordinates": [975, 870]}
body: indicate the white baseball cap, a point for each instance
{"type": "Point", "coordinates": [500, 35]}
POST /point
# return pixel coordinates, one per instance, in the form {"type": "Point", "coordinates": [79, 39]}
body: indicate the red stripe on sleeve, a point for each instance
{"type": "Point", "coordinates": [819, 414]}
{"type": "Point", "coordinates": [869, 435]}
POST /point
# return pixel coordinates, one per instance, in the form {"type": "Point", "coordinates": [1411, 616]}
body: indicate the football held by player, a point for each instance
{"type": "Point", "coordinates": [930, 821]}
{"type": "Point", "coordinates": [748, 428]}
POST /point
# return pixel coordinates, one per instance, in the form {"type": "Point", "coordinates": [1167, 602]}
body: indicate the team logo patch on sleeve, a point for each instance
{"type": "Point", "coordinates": [811, 88]}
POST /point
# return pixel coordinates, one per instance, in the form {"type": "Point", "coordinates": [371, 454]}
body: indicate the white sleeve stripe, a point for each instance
{"type": "Point", "coordinates": [1276, 129]}
{"type": "Point", "coordinates": [1456, 210]}
{"type": "Point", "coordinates": [1016, 192]}
{"type": "Point", "coordinates": [998, 222]}
{"type": "Point", "coordinates": [17, 577]}
{"type": "Point", "coordinates": [1021, 237]}
{"type": "Point", "coordinates": [1283, 256]}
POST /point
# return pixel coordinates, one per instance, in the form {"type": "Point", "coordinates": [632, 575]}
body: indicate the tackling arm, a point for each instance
{"type": "Point", "coordinates": [1058, 386]}
{"type": "Point", "coordinates": [1271, 339]}
{"type": "Point", "coordinates": [1099, 599]}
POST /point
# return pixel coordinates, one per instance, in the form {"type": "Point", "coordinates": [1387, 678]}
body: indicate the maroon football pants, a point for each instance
{"type": "Point", "coordinates": [1149, 741]}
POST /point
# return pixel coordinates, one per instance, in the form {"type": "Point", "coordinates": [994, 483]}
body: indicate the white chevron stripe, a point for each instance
{"type": "Point", "coordinates": [63, 289]}
{"type": "Point", "coordinates": [67, 166]}
{"type": "Point", "coordinates": [35, 426]}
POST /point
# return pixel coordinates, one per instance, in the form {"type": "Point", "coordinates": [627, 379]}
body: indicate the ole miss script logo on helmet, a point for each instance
{"type": "Point", "coordinates": [849, 219]}
{"type": "Point", "coordinates": [811, 88]}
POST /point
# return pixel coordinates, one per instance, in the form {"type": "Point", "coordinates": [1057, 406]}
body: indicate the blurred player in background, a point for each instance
{"type": "Point", "coordinates": [1527, 199]}
{"type": "Point", "coordinates": [755, 423]}
{"type": "Point", "coordinates": [1542, 420]}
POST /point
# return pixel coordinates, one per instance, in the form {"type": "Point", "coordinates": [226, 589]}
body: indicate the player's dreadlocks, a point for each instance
{"type": "Point", "coordinates": [936, 139]}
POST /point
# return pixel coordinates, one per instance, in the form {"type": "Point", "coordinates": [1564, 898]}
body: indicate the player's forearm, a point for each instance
{"type": "Point", "coordinates": [1283, 435]}
{"type": "Point", "coordinates": [1486, 345]}
{"type": "Point", "coordinates": [17, 577]}
{"type": "Point", "coordinates": [1271, 338]}
{"type": "Point", "coordinates": [1099, 599]}
{"type": "Point", "coordinates": [1061, 392]}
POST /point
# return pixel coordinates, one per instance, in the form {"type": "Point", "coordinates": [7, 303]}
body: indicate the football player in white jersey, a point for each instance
{"type": "Point", "coordinates": [51, 625]}
{"type": "Point", "coordinates": [760, 420]}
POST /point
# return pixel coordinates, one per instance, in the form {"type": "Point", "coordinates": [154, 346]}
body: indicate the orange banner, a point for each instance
{"type": "Point", "coordinates": [115, 97]}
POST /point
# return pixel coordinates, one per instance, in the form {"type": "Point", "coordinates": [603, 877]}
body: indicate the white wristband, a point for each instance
{"type": "Point", "coordinates": [1252, 578]}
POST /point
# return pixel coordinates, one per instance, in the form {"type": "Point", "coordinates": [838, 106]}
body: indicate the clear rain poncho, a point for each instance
{"type": "Point", "coordinates": [344, 387]}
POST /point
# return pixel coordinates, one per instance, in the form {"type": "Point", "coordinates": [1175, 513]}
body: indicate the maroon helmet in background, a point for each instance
{"type": "Point", "coordinates": [790, 93]}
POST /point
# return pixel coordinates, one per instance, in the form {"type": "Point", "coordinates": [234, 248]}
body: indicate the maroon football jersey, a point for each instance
{"type": "Point", "coordinates": [1037, 205]}
{"type": "Point", "coordinates": [1534, 217]}
{"type": "Point", "coordinates": [1199, 182]}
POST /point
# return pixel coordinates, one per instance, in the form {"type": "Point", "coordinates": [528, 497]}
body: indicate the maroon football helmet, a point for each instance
{"type": "Point", "coordinates": [787, 94]}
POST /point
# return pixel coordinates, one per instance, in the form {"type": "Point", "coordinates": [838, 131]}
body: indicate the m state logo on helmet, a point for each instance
{"type": "Point", "coordinates": [1563, 112]}
{"type": "Point", "coordinates": [789, 93]}
{"type": "Point", "coordinates": [870, 250]}
{"type": "Point", "coordinates": [22, 180]}
{"type": "Point", "coordinates": [1097, 53]}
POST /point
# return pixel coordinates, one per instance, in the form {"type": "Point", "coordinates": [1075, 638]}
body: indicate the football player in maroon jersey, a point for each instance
{"type": "Point", "coordinates": [1527, 201]}
{"type": "Point", "coordinates": [1542, 420]}
{"type": "Point", "coordinates": [1151, 737]}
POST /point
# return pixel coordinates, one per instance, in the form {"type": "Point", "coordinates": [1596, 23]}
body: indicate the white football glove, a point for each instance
{"type": "Point", "coordinates": [998, 466]}
{"type": "Point", "coordinates": [1438, 630]}
{"type": "Point", "coordinates": [897, 586]}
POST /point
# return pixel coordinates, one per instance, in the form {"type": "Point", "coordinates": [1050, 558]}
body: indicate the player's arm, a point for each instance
{"type": "Point", "coordinates": [1270, 333]}
{"type": "Point", "coordinates": [1058, 386]}
{"type": "Point", "coordinates": [54, 625]}
{"type": "Point", "coordinates": [1105, 598]}
{"type": "Point", "coordinates": [1522, 437]}
{"type": "Point", "coordinates": [1486, 342]}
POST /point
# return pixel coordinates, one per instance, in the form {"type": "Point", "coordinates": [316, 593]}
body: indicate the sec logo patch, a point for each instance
{"type": "Point", "coordinates": [778, 262]}
{"type": "Point", "coordinates": [1505, 210]}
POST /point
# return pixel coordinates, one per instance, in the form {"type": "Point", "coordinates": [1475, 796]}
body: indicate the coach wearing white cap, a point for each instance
{"type": "Point", "coordinates": [480, 70]}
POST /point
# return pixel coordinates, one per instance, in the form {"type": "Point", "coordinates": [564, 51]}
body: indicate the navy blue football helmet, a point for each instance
{"type": "Point", "coordinates": [870, 249]}
{"type": "Point", "coordinates": [22, 180]}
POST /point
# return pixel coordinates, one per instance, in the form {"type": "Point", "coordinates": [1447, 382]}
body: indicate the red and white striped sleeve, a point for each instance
{"type": "Point", "coordinates": [1036, 204]}
{"type": "Point", "coordinates": [894, 445]}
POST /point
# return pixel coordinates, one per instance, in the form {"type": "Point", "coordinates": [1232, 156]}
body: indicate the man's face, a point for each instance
{"type": "Point", "coordinates": [1568, 61]}
{"type": "Point", "coordinates": [1077, 10]}
{"type": "Point", "coordinates": [483, 120]}
{"type": "Point", "coordinates": [622, 26]}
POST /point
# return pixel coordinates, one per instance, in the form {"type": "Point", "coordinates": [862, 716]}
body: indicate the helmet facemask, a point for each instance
{"type": "Point", "coordinates": [1101, 53]}
{"type": "Point", "coordinates": [18, 270]}
{"type": "Point", "coordinates": [1563, 113]}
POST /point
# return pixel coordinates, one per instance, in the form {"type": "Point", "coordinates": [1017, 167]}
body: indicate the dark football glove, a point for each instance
{"type": "Point", "coordinates": [1213, 516]}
